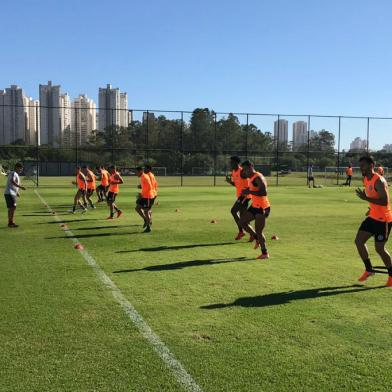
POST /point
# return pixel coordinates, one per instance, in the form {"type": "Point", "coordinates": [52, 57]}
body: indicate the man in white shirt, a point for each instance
{"type": "Point", "coordinates": [11, 192]}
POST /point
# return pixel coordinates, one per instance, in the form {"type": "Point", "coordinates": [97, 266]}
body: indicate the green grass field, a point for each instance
{"type": "Point", "coordinates": [297, 322]}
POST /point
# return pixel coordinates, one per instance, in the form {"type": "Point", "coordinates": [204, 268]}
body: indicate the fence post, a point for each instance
{"type": "Point", "coordinates": [308, 153]}
{"type": "Point", "coordinates": [146, 137]}
{"type": "Point", "coordinates": [367, 135]}
{"type": "Point", "coordinates": [215, 152]}
{"type": "Point", "coordinates": [246, 135]}
{"type": "Point", "coordinates": [76, 138]}
{"type": "Point", "coordinates": [37, 127]}
{"type": "Point", "coordinates": [182, 147]}
{"type": "Point", "coordinates": [277, 152]}
{"type": "Point", "coordinates": [338, 162]}
{"type": "Point", "coordinates": [112, 135]}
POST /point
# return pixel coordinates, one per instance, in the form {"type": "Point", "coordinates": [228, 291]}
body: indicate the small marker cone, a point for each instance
{"type": "Point", "coordinates": [177, 210]}
{"type": "Point", "coordinates": [79, 246]}
{"type": "Point", "coordinates": [214, 221]}
{"type": "Point", "coordinates": [157, 203]}
{"type": "Point", "coordinates": [275, 237]}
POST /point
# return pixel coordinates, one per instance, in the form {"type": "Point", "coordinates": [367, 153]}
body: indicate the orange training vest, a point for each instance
{"type": "Point", "coordinates": [379, 213]}
{"type": "Point", "coordinates": [239, 182]}
{"type": "Point", "coordinates": [154, 184]}
{"type": "Point", "coordinates": [80, 180]}
{"type": "Point", "coordinates": [92, 184]}
{"type": "Point", "coordinates": [258, 201]}
{"type": "Point", "coordinates": [104, 177]}
{"type": "Point", "coordinates": [114, 186]}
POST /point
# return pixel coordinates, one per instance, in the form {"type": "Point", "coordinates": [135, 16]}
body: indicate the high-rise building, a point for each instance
{"type": "Point", "coordinates": [387, 148]}
{"type": "Point", "coordinates": [281, 134]}
{"type": "Point", "coordinates": [65, 120]}
{"type": "Point", "coordinates": [84, 119]}
{"type": "Point", "coordinates": [300, 134]}
{"type": "Point", "coordinates": [12, 115]}
{"type": "Point", "coordinates": [49, 100]}
{"type": "Point", "coordinates": [358, 144]}
{"type": "Point", "coordinates": [32, 121]}
{"type": "Point", "coordinates": [113, 108]}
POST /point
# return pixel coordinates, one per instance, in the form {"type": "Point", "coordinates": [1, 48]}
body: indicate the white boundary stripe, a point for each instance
{"type": "Point", "coordinates": [182, 376]}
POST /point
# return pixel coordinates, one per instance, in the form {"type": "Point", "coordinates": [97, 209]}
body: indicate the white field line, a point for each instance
{"type": "Point", "coordinates": [178, 370]}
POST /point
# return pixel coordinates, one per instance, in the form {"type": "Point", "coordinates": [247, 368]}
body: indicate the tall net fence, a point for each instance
{"type": "Point", "coordinates": [190, 148]}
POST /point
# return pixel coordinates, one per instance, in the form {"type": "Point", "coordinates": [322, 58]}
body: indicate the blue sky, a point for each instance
{"type": "Point", "coordinates": [303, 56]}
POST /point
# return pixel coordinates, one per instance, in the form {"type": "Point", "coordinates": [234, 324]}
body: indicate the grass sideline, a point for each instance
{"type": "Point", "coordinates": [295, 322]}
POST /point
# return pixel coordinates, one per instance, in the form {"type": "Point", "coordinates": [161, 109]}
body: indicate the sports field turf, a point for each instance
{"type": "Point", "coordinates": [298, 321]}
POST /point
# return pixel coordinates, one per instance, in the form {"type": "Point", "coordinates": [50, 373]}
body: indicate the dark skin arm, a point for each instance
{"type": "Point", "coordinates": [262, 191]}
{"type": "Point", "coordinates": [381, 190]}
{"type": "Point", "coordinates": [229, 180]}
{"type": "Point", "coordinates": [119, 180]}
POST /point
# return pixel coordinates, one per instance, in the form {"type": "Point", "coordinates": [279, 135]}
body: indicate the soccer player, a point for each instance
{"type": "Point", "coordinates": [380, 170]}
{"type": "Point", "coordinates": [311, 176]}
{"type": "Point", "coordinates": [240, 182]}
{"type": "Point", "coordinates": [11, 192]}
{"type": "Point", "coordinates": [154, 184]}
{"type": "Point", "coordinates": [379, 218]}
{"type": "Point", "coordinates": [80, 195]}
{"type": "Point", "coordinates": [144, 200]}
{"type": "Point", "coordinates": [349, 174]}
{"type": "Point", "coordinates": [115, 180]}
{"type": "Point", "coordinates": [259, 209]}
{"type": "Point", "coordinates": [103, 188]}
{"type": "Point", "coordinates": [91, 184]}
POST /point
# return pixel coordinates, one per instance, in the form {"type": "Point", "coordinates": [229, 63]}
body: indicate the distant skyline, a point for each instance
{"type": "Point", "coordinates": [287, 57]}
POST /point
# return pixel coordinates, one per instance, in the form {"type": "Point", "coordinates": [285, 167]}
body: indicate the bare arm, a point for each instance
{"type": "Point", "coordinates": [381, 189]}
{"type": "Point", "coordinates": [262, 191]}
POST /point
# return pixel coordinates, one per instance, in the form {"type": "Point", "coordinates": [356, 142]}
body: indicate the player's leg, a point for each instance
{"type": "Point", "coordinates": [245, 220]}
{"type": "Point", "coordinates": [235, 212]}
{"type": "Point", "coordinates": [360, 241]}
{"type": "Point", "coordinates": [89, 193]}
{"type": "Point", "coordinates": [260, 220]}
{"type": "Point", "coordinates": [380, 242]}
{"type": "Point", "coordinates": [140, 211]}
{"type": "Point", "coordinates": [99, 193]}
{"type": "Point", "coordinates": [11, 206]}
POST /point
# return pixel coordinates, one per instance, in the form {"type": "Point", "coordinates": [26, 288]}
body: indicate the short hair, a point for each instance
{"type": "Point", "coordinates": [148, 167]}
{"type": "Point", "coordinates": [112, 167]}
{"type": "Point", "coordinates": [235, 159]}
{"type": "Point", "coordinates": [84, 167]}
{"type": "Point", "coordinates": [18, 165]}
{"type": "Point", "coordinates": [247, 163]}
{"type": "Point", "coordinates": [139, 168]}
{"type": "Point", "coordinates": [368, 159]}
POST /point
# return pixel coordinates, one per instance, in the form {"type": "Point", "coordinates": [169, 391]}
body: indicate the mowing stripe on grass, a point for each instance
{"type": "Point", "coordinates": [182, 376]}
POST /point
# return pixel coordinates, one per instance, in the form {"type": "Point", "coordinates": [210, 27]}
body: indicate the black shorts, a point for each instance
{"type": "Point", "coordinates": [311, 178]}
{"type": "Point", "coordinates": [90, 192]}
{"type": "Point", "coordinates": [111, 197]}
{"type": "Point", "coordinates": [380, 230]}
{"type": "Point", "coordinates": [259, 211]}
{"type": "Point", "coordinates": [152, 201]}
{"type": "Point", "coordinates": [102, 187]}
{"type": "Point", "coordinates": [243, 201]}
{"type": "Point", "coordinates": [144, 203]}
{"type": "Point", "coordinates": [349, 177]}
{"type": "Point", "coordinates": [10, 201]}
{"type": "Point", "coordinates": [81, 192]}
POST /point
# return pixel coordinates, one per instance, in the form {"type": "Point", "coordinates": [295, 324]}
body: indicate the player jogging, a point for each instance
{"type": "Point", "coordinates": [91, 181]}
{"type": "Point", "coordinates": [240, 182]}
{"type": "Point", "coordinates": [349, 174]}
{"type": "Point", "coordinates": [259, 209]}
{"type": "Point", "coordinates": [379, 218]}
{"type": "Point", "coordinates": [103, 187]}
{"type": "Point", "coordinates": [115, 180]}
{"type": "Point", "coordinates": [154, 185]}
{"type": "Point", "coordinates": [80, 196]}
{"type": "Point", "coordinates": [11, 193]}
{"type": "Point", "coordinates": [144, 200]}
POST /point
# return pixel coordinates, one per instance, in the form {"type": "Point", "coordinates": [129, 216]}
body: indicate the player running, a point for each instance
{"type": "Point", "coordinates": [115, 180]}
{"type": "Point", "coordinates": [379, 218]}
{"type": "Point", "coordinates": [80, 196]}
{"type": "Point", "coordinates": [154, 184]}
{"type": "Point", "coordinates": [103, 187]}
{"type": "Point", "coordinates": [144, 200]}
{"type": "Point", "coordinates": [349, 174]}
{"type": "Point", "coordinates": [11, 193]}
{"type": "Point", "coordinates": [240, 182]}
{"type": "Point", "coordinates": [91, 184]}
{"type": "Point", "coordinates": [260, 208]}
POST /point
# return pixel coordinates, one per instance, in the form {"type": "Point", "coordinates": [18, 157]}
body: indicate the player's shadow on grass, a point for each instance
{"type": "Point", "coordinates": [93, 235]}
{"type": "Point", "coordinates": [184, 264]}
{"type": "Point", "coordinates": [287, 297]}
{"type": "Point", "coordinates": [104, 227]}
{"type": "Point", "coordinates": [67, 221]}
{"type": "Point", "coordinates": [176, 247]}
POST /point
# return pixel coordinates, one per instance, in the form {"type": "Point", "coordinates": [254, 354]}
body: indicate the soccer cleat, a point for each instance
{"type": "Point", "coordinates": [109, 218]}
{"type": "Point", "coordinates": [263, 256]}
{"type": "Point", "coordinates": [365, 276]}
{"type": "Point", "coordinates": [84, 210]}
{"type": "Point", "coordinates": [256, 245]}
{"type": "Point", "coordinates": [12, 225]}
{"type": "Point", "coordinates": [389, 282]}
{"type": "Point", "coordinates": [251, 238]}
{"type": "Point", "coordinates": [148, 230]}
{"type": "Point", "coordinates": [119, 213]}
{"type": "Point", "coordinates": [239, 235]}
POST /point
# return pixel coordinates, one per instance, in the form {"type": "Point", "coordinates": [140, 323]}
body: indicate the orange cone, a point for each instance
{"type": "Point", "coordinates": [275, 237]}
{"type": "Point", "coordinates": [214, 221]}
{"type": "Point", "coordinates": [79, 246]}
